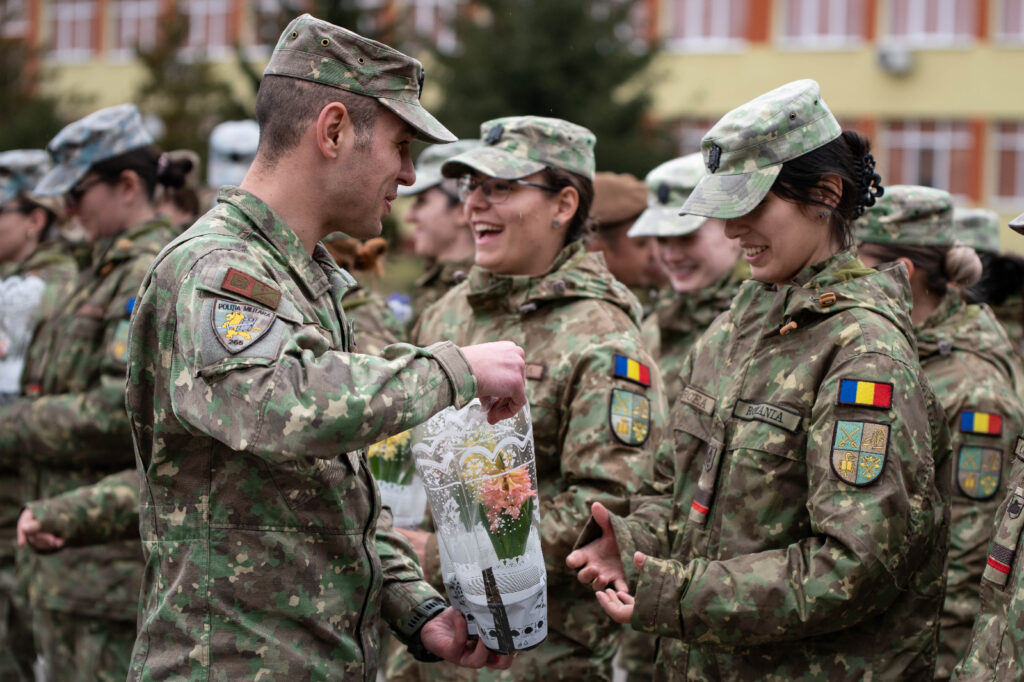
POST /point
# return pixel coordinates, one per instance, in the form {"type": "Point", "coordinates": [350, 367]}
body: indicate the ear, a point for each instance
{"type": "Point", "coordinates": [566, 203]}
{"type": "Point", "coordinates": [38, 218]}
{"type": "Point", "coordinates": [829, 189]}
{"type": "Point", "coordinates": [908, 264]}
{"type": "Point", "coordinates": [131, 184]}
{"type": "Point", "coordinates": [333, 130]}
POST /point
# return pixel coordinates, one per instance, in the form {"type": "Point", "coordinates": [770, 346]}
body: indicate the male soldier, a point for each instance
{"type": "Point", "coordinates": [265, 559]}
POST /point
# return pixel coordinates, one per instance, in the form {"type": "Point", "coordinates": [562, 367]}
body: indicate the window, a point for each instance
{"type": "Point", "coordinates": [433, 21]}
{"type": "Point", "coordinates": [1010, 27]}
{"type": "Point", "coordinates": [824, 23]}
{"type": "Point", "coordinates": [209, 24]}
{"type": "Point", "coordinates": [933, 153]}
{"type": "Point", "coordinates": [688, 133]}
{"type": "Point", "coordinates": [1009, 145]}
{"type": "Point", "coordinates": [134, 24]}
{"type": "Point", "coordinates": [13, 19]}
{"type": "Point", "coordinates": [72, 29]}
{"type": "Point", "coordinates": [933, 22]}
{"type": "Point", "coordinates": [707, 24]}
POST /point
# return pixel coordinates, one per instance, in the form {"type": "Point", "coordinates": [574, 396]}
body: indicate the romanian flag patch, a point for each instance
{"type": "Point", "coordinates": [866, 393]}
{"type": "Point", "coordinates": [984, 423]}
{"type": "Point", "coordinates": [628, 368]}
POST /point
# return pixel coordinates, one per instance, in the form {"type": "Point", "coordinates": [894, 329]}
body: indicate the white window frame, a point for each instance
{"type": "Point", "coordinates": [944, 37]}
{"type": "Point", "coordinates": [693, 11]}
{"type": "Point", "coordinates": [838, 35]}
{"type": "Point", "coordinates": [432, 18]}
{"type": "Point", "coordinates": [1004, 37]}
{"type": "Point", "coordinates": [67, 19]}
{"type": "Point", "coordinates": [13, 18]}
{"type": "Point", "coordinates": [198, 38]}
{"type": "Point", "coordinates": [1013, 142]}
{"type": "Point", "coordinates": [138, 12]}
{"type": "Point", "coordinates": [941, 141]}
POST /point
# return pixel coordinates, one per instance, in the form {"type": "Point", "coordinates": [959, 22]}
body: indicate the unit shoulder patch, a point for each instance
{"type": "Point", "coordinates": [978, 471]}
{"type": "Point", "coordinates": [981, 423]}
{"type": "Point", "coordinates": [1018, 448]}
{"type": "Point", "coordinates": [627, 368]}
{"type": "Point", "coordinates": [767, 413]}
{"type": "Point", "coordinates": [238, 325]}
{"type": "Point", "coordinates": [246, 285]}
{"type": "Point", "coordinates": [865, 393]}
{"type": "Point", "coordinates": [119, 343]}
{"type": "Point", "coordinates": [629, 415]}
{"type": "Point", "coordinates": [698, 399]}
{"type": "Point", "coordinates": [859, 450]}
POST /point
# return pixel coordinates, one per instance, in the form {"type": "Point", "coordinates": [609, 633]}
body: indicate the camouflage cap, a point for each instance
{"type": "Point", "coordinates": [517, 146]}
{"type": "Point", "coordinates": [314, 50]}
{"type": "Point", "coordinates": [99, 136]}
{"type": "Point", "coordinates": [745, 150]}
{"type": "Point", "coordinates": [20, 171]}
{"type": "Point", "coordinates": [428, 165]}
{"type": "Point", "coordinates": [908, 215]}
{"type": "Point", "coordinates": [1017, 224]}
{"type": "Point", "coordinates": [668, 187]}
{"type": "Point", "coordinates": [977, 228]}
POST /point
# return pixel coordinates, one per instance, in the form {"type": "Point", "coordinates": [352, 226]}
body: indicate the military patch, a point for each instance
{"type": "Point", "coordinates": [238, 325]}
{"type": "Point", "coordinates": [1004, 545]}
{"type": "Point", "coordinates": [981, 423]}
{"type": "Point", "coordinates": [865, 393]}
{"type": "Point", "coordinates": [978, 471]}
{"type": "Point", "coordinates": [1018, 449]}
{"type": "Point", "coordinates": [628, 368]}
{"type": "Point", "coordinates": [630, 417]}
{"type": "Point", "coordinates": [119, 344]}
{"type": "Point", "coordinates": [535, 371]}
{"type": "Point", "coordinates": [767, 413]}
{"type": "Point", "coordinates": [242, 284]}
{"type": "Point", "coordinates": [997, 568]}
{"type": "Point", "coordinates": [714, 157]}
{"type": "Point", "coordinates": [698, 399]}
{"type": "Point", "coordinates": [859, 450]}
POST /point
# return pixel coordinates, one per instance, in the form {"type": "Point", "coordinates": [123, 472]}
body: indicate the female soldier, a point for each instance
{"type": "Point", "coordinates": [702, 264]}
{"type": "Point", "coordinates": [803, 530]}
{"type": "Point", "coordinates": [968, 359]}
{"type": "Point", "coordinates": [595, 397]}
{"type": "Point", "coordinates": [75, 429]}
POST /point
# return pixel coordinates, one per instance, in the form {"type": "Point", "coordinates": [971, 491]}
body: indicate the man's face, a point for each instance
{"type": "Point", "coordinates": [438, 223]}
{"type": "Point", "coordinates": [631, 260]}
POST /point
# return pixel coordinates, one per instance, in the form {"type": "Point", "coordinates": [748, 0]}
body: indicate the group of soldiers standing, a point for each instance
{"type": "Point", "coordinates": [803, 459]}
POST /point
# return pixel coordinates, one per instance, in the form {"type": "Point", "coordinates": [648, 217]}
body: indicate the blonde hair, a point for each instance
{"type": "Point", "coordinates": [962, 265]}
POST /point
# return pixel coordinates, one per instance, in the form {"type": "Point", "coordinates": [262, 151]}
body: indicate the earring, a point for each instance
{"type": "Point", "coordinates": [555, 224]}
{"type": "Point", "coordinates": [824, 214]}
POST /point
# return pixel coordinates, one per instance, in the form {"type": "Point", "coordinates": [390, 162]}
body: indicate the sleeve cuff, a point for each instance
{"type": "Point", "coordinates": [456, 368]}
{"type": "Point", "coordinates": [657, 594]}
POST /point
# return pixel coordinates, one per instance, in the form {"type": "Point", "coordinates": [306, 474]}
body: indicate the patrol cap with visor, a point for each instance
{"type": "Point", "coordinates": [317, 51]}
{"type": "Point", "coordinates": [517, 146]}
{"type": "Point", "coordinates": [745, 150]}
{"type": "Point", "coordinates": [668, 187]}
{"type": "Point", "coordinates": [20, 172]}
{"type": "Point", "coordinates": [977, 228]}
{"type": "Point", "coordinates": [428, 165]}
{"type": "Point", "coordinates": [908, 215]}
{"type": "Point", "coordinates": [99, 136]}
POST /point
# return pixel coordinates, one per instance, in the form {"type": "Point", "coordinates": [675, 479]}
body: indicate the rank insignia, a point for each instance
{"type": "Point", "coordinates": [238, 325]}
{"type": "Point", "coordinates": [859, 450]}
{"type": "Point", "coordinates": [1000, 559]}
{"type": "Point", "coordinates": [628, 368]}
{"type": "Point", "coordinates": [630, 417]}
{"type": "Point", "coordinates": [982, 423]}
{"type": "Point", "coordinates": [119, 344]}
{"type": "Point", "coordinates": [866, 393]}
{"type": "Point", "coordinates": [978, 471]}
{"type": "Point", "coordinates": [242, 284]}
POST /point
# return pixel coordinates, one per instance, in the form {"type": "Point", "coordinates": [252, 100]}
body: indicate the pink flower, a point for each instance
{"type": "Point", "coordinates": [505, 495]}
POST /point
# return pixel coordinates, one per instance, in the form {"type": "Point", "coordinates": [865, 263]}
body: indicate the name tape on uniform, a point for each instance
{"type": "Point", "coordinates": [767, 413]}
{"type": "Point", "coordinates": [698, 399]}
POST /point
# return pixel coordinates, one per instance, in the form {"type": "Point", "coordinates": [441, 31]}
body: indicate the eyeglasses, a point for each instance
{"type": "Point", "coordinates": [75, 194]}
{"type": "Point", "coordinates": [494, 190]}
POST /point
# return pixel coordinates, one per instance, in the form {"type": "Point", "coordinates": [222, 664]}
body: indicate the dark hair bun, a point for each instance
{"type": "Point", "coordinates": [173, 168]}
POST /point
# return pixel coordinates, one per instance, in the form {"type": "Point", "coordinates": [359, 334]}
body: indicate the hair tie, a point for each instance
{"type": "Point", "coordinates": [870, 184]}
{"type": "Point", "coordinates": [161, 164]}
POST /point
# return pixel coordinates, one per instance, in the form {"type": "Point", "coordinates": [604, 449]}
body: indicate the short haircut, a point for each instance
{"type": "Point", "coordinates": [285, 106]}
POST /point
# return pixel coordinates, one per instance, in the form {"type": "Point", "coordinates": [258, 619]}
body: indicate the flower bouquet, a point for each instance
{"type": "Point", "coordinates": [481, 481]}
{"type": "Point", "coordinates": [401, 489]}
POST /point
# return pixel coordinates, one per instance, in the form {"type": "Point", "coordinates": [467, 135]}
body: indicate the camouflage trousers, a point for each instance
{"type": "Point", "coordinates": [637, 655]}
{"type": "Point", "coordinates": [17, 651]}
{"type": "Point", "coordinates": [83, 648]}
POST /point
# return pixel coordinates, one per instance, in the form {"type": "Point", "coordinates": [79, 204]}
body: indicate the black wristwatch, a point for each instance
{"type": "Point", "coordinates": [409, 633]}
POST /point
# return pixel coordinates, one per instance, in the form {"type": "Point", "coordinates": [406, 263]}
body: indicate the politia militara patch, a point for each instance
{"type": "Point", "coordinates": [629, 415]}
{"type": "Point", "coordinates": [239, 325]}
{"type": "Point", "coordinates": [859, 450]}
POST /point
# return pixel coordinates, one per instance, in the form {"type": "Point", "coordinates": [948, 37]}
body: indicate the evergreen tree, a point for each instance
{"type": "Point", "coordinates": [570, 59]}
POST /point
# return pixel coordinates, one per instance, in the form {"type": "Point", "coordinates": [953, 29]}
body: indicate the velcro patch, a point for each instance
{"type": "Point", "coordinates": [628, 368]}
{"type": "Point", "coordinates": [238, 325]}
{"type": "Point", "coordinates": [698, 399]}
{"type": "Point", "coordinates": [865, 393]}
{"type": "Point", "coordinates": [535, 371]}
{"type": "Point", "coordinates": [630, 417]}
{"type": "Point", "coordinates": [859, 450]}
{"type": "Point", "coordinates": [119, 344]}
{"type": "Point", "coordinates": [242, 284]}
{"type": "Point", "coordinates": [1018, 449]}
{"type": "Point", "coordinates": [981, 423]}
{"type": "Point", "coordinates": [767, 413]}
{"type": "Point", "coordinates": [978, 471]}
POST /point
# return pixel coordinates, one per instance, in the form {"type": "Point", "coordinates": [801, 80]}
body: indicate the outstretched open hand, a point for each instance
{"type": "Point", "coordinates": [598, 563]}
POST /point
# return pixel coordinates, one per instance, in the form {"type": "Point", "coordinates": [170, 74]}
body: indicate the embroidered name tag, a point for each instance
{"type": "Point", "coordinates": [767, 413]}
{"type": "Point", "coordinates": [982, 423]}
{"type": "Point", "coordinates": [698, 400]}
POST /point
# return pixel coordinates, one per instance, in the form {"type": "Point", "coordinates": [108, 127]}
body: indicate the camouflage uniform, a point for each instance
{"type": "Point", "coordinates": [248, 417]}
{"type": "Point", "coordinates": [801, 525]}
{"type": "Point", "coordinates": [373, 323]}
{"type": "Point", "coordinates": [573, 322]}
{"type": "Point", "coordinates": [969, 361]}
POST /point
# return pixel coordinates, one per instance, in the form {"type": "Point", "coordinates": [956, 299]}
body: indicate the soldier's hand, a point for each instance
{"type": "Point", "coordinates": [30, 531]}
{"type": "Point", "coordinates": [500, 371]}
{"type": "Point", "coordinates": [618, 605]}
{"type": "Point", "coordinates": [445, 635]}
{"type": "Point", "coordinates": [598, 563]}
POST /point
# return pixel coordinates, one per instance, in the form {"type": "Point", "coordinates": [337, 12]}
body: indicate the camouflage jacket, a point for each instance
{"type": "Point", "coordinates": [374, 325]}
{"type": "Point", "coordinates": [679, 319]}
{"type": "Point", "coordinates": [435, 283]}
{"type": "Point", "coordinates": [1009, 314]}
{"type": "Point", "coordinates": [103, 512]}
{"type": "Point", "coordinates": [74, 430]}
{"type": "Point", "coordinates": [572, 322]}
{"type": "Point", "coordinates": [801, 528]}
{"type": "Point", "coordinates": [248, 416]}
{"type": "Point", "coordinates": [970, 364]}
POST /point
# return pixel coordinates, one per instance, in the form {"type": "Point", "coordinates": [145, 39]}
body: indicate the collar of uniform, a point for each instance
{"type": "Point", "coordinates": [290, 249]}
{"type": "Point", "coordinates": [121, 246]}
{"type": "Point", "coordinates": [485, 286]}
{"type": "Point", "coordinates": [821, 273]}
{"type": "Point", "coordinates": [684, 313]}
{"type": "Point", "coordinates": [963, 327]}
